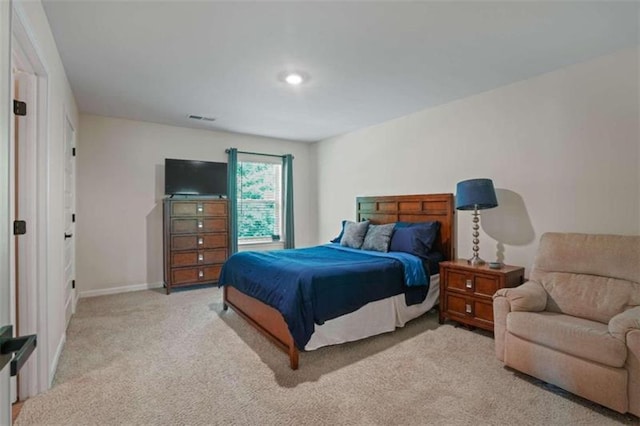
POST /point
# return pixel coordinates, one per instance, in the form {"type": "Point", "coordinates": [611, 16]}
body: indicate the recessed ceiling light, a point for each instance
{"type": "Point", "coordinates": [294, 79]}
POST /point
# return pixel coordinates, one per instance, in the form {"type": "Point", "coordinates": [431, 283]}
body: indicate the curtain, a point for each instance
{"type": "Point", "coordinates": [232, 197]}
{"type": "Point", "coordinates": [287, 179]}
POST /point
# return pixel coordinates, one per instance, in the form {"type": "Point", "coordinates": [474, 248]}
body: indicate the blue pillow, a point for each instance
{"type": "Point", "coordinates": [414, 238]}
{"type": "Point", "coordinates": [403, 224]}
{"type": "Point", "coordinates": [339, 237]}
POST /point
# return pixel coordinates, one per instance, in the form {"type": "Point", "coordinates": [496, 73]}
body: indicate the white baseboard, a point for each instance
{"type": "Point", "coordinates": [56, 358]}
{"type": "Point", "coordinates": [116, 290]}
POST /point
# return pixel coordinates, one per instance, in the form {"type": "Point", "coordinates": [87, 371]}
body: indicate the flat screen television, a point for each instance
{"type": "Point", "coordinates": [191, 177]}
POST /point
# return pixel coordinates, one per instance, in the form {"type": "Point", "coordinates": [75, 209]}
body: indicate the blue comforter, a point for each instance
{"type": "Point", "coordinates": [312, 285]}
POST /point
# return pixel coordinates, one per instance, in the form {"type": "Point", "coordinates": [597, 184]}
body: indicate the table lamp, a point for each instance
{"type": "Point", "coordinates": [475, 194]}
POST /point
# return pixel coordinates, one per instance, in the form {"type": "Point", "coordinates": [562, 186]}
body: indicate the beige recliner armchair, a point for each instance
{"type": "Point", "coordinates": [576, 322]}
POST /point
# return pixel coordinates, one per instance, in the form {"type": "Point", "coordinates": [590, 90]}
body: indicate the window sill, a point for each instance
{"type": "Point", "coordinates": [250, 242]}
{"type": "Point", "coordinates": [259, 246]}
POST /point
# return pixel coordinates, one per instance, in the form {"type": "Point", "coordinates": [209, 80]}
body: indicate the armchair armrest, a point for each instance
{"type": "Point", "coordinates": [530, 296]}
{"type": "Point", "coordinates": [624, 322]}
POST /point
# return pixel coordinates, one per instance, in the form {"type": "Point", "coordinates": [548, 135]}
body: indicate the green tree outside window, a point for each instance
{"type": "Point", "coordinates": [259, 201]}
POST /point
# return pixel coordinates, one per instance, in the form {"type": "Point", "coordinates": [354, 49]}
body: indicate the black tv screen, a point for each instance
{"type": "Point", "coordinates": [191, 177]}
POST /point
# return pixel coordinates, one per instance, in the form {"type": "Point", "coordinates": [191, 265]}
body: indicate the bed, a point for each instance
{"type": "Point", "coordinates": [257, 303]}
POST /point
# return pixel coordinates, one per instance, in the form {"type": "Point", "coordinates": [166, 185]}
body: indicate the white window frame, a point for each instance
{"type": "Point", "coordinates": [253, 243]}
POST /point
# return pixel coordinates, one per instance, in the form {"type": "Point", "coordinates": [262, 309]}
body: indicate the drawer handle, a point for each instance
{"type": "Point", "coordinates": [200, 257]}
{"type": "Point", "coordinates": [469, 284]}
{"type": "Point", "coordinates": [200, 241]}
{"type": "Point", "coordinates": [200, 274]}
{"type": "Point", "coordinates": [467, 308]}
{"type": "Point", "coordinates": [200, 224]}
{"type": "Point", "coordinates": [200, 208]}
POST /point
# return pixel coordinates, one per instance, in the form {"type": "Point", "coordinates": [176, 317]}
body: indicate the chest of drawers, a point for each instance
{"type": "Point", "coordinates": [196, 240]}
{"type": "Point", "coordinates": [466, 292]}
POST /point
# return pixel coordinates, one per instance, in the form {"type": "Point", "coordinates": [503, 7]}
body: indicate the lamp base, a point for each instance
{"type": "Point", "coordinates": [475, 260]}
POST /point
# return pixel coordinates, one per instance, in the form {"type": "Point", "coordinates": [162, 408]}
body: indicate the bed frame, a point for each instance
{"type": "Point", "coordinates": [378, 210]}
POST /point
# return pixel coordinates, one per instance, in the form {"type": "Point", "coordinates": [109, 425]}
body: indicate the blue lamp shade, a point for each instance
{"type": "Point", "coordinates": [474, 193]}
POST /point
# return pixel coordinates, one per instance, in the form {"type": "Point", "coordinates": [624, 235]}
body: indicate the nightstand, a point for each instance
{"type": "Point", "coordinates": [466, 291]}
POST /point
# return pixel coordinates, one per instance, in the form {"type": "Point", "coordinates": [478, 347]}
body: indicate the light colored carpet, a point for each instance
{"type": "Point", "coordinates": [148, 358]}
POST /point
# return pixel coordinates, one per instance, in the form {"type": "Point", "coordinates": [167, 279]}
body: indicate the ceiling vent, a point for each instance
{"type": "Point", "coordinates": [200, 118]}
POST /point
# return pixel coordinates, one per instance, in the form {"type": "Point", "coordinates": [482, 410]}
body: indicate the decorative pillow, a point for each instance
{"type": "Point", "coordinates": [414, 238]}
{"type": "Point", "coordinates": [353, 235]}
{"type": "Point", "coordinates": [339, 237]}
{"type": "Point", "coordinates": [378, 237]}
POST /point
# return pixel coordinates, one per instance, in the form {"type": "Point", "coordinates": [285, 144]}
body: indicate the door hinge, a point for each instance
{"type": "Point", "coordinates": [73, 283]}
{"type": "Point", "coordinates": [73, 217]}
{"type": "Point", "coordinates": [19, 107]}
{"type": "Point", "coordinates": [19, 227]}
{"type": "Point", "coordinates": [73, 152]}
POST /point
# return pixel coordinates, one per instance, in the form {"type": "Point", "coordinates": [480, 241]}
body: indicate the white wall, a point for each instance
{"type": "Point", "coordinates": [561, 148]}
{"type": "Point", "coordinates": [120, 183]}
{"type": "Point", "coordinates": [60, 102]}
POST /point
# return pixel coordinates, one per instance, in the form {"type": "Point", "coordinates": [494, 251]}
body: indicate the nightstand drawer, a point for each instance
{"type": "Point", "coordinates": [458, 305]}
{"type": "Point", "coordinates": [481, 285]}
{"type": "Point", "coordinates": [469, 308]}
{"type": "Point", "coordinates": [483, 311]}
{"type": "Point", "coordinates": [459, 280]}
{"type": "Point", "coordinates": [486, 285]}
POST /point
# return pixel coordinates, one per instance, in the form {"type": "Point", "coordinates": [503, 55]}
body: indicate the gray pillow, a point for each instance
{"type": "Point", "coordinates": [378, 237]}
{"type": "Point", "coordinates": [354, 234]}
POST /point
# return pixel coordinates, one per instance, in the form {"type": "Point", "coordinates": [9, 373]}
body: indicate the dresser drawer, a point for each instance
{"type": "Point", "coordinates": [199, 241]}
{"type": "Point", "coordinates": [200, 257]}
{"type": "Point", "coordinates": [198, 208]}
{"type": "Point", "coordinates": [205, 224]}
{"type": "Point", "coordinates": [196, 274]}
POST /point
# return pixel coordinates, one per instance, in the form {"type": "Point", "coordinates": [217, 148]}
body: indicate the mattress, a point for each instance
{"type": "Point", "coordinates": [382, 316]}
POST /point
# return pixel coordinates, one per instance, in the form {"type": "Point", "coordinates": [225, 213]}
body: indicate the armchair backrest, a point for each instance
{"type": "Point", "coordinates": [589, 276]}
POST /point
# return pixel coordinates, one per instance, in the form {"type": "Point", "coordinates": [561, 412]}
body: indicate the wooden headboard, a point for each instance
{"type": "Point", "coordinates": [413, 208]}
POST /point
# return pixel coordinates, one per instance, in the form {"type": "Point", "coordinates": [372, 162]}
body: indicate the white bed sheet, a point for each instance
{"type": "Point", "coordinates": [374, 318]}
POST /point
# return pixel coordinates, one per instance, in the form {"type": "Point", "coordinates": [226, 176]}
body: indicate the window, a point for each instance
{"type": "Point", "coordinates": [259, 202]}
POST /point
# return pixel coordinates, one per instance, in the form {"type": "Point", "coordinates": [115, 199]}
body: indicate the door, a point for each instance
{"type": "Point", "coordinates": [5, 116]}
{"type": "Point", "coordinates": [69, 217]}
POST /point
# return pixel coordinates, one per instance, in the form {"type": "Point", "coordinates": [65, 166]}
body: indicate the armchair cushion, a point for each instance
{"type": "Point", "coordinates": [624, 322]}
{"type": "Point", "coordinates": [529, 296]}
{"type": "Point", "coordinates": [589, 276]}
{"type": "Point", "coordinates": [614, 256]}
{"type": "Point", "coordinates": [587, 296]}
{"type": "Point", "coordinates": [580, 337]}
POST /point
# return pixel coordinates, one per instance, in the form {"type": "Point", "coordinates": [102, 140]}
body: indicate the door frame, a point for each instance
{"type": "Point", "coordinates": [68, 125]}
{"type": "Point", "coordinates": [6, 116]}
{"type": "Point", "coordinates": [35, 376]}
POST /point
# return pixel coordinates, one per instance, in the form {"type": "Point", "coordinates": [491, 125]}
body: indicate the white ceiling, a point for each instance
{"type": "Point", "coordinates": [369, 62]}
